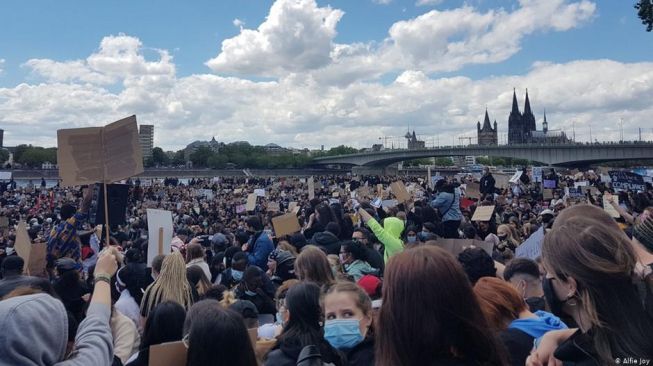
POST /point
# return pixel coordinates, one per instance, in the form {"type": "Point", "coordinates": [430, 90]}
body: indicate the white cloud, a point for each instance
{"type": "Point", "coordinates": [427, 2]}
{"type": "Point", "coordinates": [296, 36]}
{"type": "Point", "coordinates": [382, 2]}
{"type": "Point", "coordinates": [2, 62]}
{"type": "Point", "coordinates": [238, 23]}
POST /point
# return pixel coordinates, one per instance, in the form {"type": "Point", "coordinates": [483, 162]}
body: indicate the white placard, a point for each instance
{"type": "Point", "coordinates": [157, 219]}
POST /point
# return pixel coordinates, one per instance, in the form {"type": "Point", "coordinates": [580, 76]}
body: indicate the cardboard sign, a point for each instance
{"type": "Point", "coordinates": [33, 254]}
{"type": "Point", "coordinates": [627, 181]}
{"type": "Point", "coordinates": [99, 154]}
{"type": "Point", "coordinates": [168, 354]}
{"type": "Point", "coordinates": [483, 213]}
{"type": "Point", "coordinates": [273, 206]}
{"type": "Point", "coordinates": [380, 192]}
{"type": "Point", "coordinates": [251, 202]}
{"type": "Point", "coordinates": [285, 224]}
{"type": "Point", "coordinates": [389, 203]}
{"type": "Point", "coordinates": [363, 192]}
{"type": "Point", "coordinates": [291, 206]}
{"type": "Point", "coordinates": [335, 194]}
{"type": "Point", "coordinates": [456, 246]}
{"type": "Point", "coordinates": [549, 183]}
{"type": "Point", "coordinates": [311, 188]}
{"type": "Point", "coordinates": [501, 180]}
{"type": "Point", "coordinates": [532, 247]}
{"type": "Point", "coordinates": [581, 184]}
{"type": "Point", "coordinates": [159, 233]}
{"type": "Point", "coordinates": [259, 192]}
{"type": "Point", "coordinates": [473, 190]}
{"type": "Point", "coordinates": [547, 194]}
{"type": "Point", "coordinates": [607, 206]}
{"type": "Point", "coordinates": [238, 191]}
{"type": "Point", "coordinates": [515, 177]}
{"type": "Point", "coordinates": [23, 244]}
{"type": "Point", "coordinates": [591, 189]}
{"type": "Point", "coordinates": [400, 192]}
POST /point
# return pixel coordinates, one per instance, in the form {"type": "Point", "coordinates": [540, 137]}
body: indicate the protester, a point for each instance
{"type": "Point", "coordinates": [34, 326]}
{"type": "Point", "coordinates": [590, 267]}
{"type": "Point", "coordinates": [477, 264]}
{"type": "Point", "coordinates": [64, 240]}
{"type": "Point", "coordinates": [353, 259]}
{"type": "Point", "coordinates": [312, 265]}
{"type": "Point", "coordinates": [374, 258]}
{"type": "Point", "coordinates": [68, 285]}
{"type": "Point", "coordinates": [389, 234]}
{"type": "Point", "coordinates": [259, 246]}
{"type": "Point", "coordinates": [487, 183]}
{"type": "Point", "coordinates": [328, 239]}
{"type": "Point", "coordinates": [524, 275]}
{"type": "Point", "coordinates": [216, 336]}
{"type": "Point", "coordinates": [128, 283]}
{"type": "Point", "coordinates": [197, 280]}
{"type": "Point", "coordinates": [195, 257]}
{"type": "Point", "coordinates": [448, 205]}
{"type": "Point", "coordinates": [508, 314]}
{"type": "Point", "coordinates": [257, 288]}
{"type": "Point", "coordinates": [427, 293]}
{"type": "Point", "coordinates": [164, 324]}
{"type": "Point", "coordinates": [302, 329]}
{"type": "Point", "coordinates": [348, 322]}
{"type": "Point", "coordinates": [236, 269]}
{"type": "Point", "coordinates": [171, 285]}
{"type": "Point", "coordinates": [12, 277]}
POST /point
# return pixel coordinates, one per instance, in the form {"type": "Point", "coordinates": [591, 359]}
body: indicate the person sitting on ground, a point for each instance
{"type": "Point", "coordinates": [508, 314]}
{"type": "Point", "coordinates": [328, 239]}
{"type": "Point", "coordinates": [34, 326]}
{"type": "Point", "coordinates": [258, 289]}
{"type": "Point", "coordinates": [389, 234]}
{"type": "Point", "coordinates": [374, 257]}
{"type": "Point", "coordinates": [352, 258]}
{"type": "Point", "coordinates": [312, 265]}
{"type": "Point", "coordinates": [477, 263]}
{"type": "Point", "coordinates": [235, 271]}
{"type": "Point", "coordinates": [12, 278]}
{"type": "Point", "coordinates": [171, 285]}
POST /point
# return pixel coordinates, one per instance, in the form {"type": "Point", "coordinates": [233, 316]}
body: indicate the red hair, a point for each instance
{"type": "Point", "coordinates": [499, 301]}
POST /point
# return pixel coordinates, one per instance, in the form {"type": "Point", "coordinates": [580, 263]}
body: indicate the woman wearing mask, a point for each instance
{"type": "Point", "coordinates": [590, 267]}
{"type": "Point", "coordinates": [302, 329]}
{"type": "Point", "coordinates": [426, 292]}
{"type": "Point", "coordinates": [505, 249]}
{"type": "Point", "coordinates": [348, 322]}
{"type": "Point", "coordinates": [352, 258]}
{"type": "Point", "coordinates": [508, 314]}
{"type": "Point", "coordinates": [411, 237]}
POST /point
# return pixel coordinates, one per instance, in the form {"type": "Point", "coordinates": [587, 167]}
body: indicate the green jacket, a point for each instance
{"type": "Point", "coordinates": [389, 235]}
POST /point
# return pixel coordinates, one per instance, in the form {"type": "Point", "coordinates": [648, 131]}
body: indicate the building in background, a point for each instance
{"type": "Point", "coordinates": [413, 143]}
{"type": "Point", "coordinates": [523, 130]}
{"type": "Point", "coordinates": [2, 138]}
{"type": "Point", "coordinates": [214, 145]}
{"type": "Point", "coordinates": [146, 139]}
{"type": "Point", "coordinates": [486, 134]}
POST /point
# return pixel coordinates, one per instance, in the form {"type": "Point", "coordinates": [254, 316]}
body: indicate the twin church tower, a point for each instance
{"type": "Point", "coordinates": [522, 128]}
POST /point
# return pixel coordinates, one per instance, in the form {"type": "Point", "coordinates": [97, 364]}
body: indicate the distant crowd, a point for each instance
{"type": "Point", "coordinates": [383, 271]}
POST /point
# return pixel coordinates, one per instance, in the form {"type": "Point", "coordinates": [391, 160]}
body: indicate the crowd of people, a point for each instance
{"type": "Point", "coordinates": [365, 281]}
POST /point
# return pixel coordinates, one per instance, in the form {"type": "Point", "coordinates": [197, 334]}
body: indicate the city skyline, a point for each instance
{"type": "Point", "coordinates": [303, 74]}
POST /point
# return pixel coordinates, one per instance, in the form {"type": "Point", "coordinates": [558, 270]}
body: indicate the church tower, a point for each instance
{"type": "Point", "coordinates": [515, 126]}
{"type": "Point", "coordinates": [487, 135]}
{"type": "Point", "coordinates": [528, 119]}
{"type": "Point", "coordinates": [545, 124]}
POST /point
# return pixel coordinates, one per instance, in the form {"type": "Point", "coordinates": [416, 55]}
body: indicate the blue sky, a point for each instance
{"type": "Point", "coordinates": [193, 33]}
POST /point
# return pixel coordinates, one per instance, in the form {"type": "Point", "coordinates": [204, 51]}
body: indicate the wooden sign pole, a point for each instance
{"type": "Point", "coordinates": [160, 240]}
{"type": "Point", "coordinates": [106, 214]}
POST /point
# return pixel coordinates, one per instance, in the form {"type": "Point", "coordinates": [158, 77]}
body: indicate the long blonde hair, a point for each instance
{"type": "Point", "coordinates": [171, 285]}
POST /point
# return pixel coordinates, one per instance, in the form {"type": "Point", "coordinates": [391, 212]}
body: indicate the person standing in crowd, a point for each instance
{"type": "Point", "coordinates": [348, 322]}
{"type": "Point", "coordinates": [302, 329]}
{"type": "Point", "coordinates": [195, 257]}
{"type": "Point", "coordinates": [353, 260]}
{"type": "Point", "coordinates": [72, 291]}
{"type": "Point", "coordinates": [34, 327]}
{"type": "Point", "coordinates": [216, 336]}
{"type": "Point", "coordinates": [374, 258]}
{"type": "Point", "coordinates": [12, 277]}
{"type": "Point", "coordinates": [508, 314]}
{"type": "Point", "coordinates": [426, 292]}
{"type": "Point", "coordinates": [328, 239]}
{"type": "Point", "coordinates": [389, 235]}
{"type": "Point", "coordinates": [63, 241]}
{"type": "Point", "coordinates": [164, 324]}
{"type": "Point", "coordinates": [487, 184]}
{"type": "Point", "coordinates": [447, 203]}
{"type": "Point", "coordinates": [171, 285]}
{"type": "Point", "coordinates": [259, 246]}
{"type": "Point", "coordinates": [312, 265]}
{"type": "Point", "coordinates": [590, 267]}
{"type": "Point", "coordinates": [524, 275]}
{"type": "Point", "coordinates": [128, 283]}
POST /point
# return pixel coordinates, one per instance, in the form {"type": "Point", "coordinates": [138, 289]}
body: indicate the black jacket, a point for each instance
{"type": "Point", "coordinates": [286, 354]}
{"type": "Point", "coordinates": [487, 184]}
{"type": "Point", "coordinates": [375, 259]}
{"type": "Point", "coordinates": [362, 354]}
{"type": "Point", "coordinates": [519, 345]}
{"type": "Point", "coordinates": [577, 350]}
{"type": "Point", "coordinates": [328, 241]}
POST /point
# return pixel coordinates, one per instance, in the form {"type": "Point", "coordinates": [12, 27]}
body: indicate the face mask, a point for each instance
{"type": "Point", "coordinates": [549, 295]}
{"type": "Point", "coordinates": [502, 237]}
{"type": "Point", "coordinates": [237, 275]}
{"type": "Point", "coordinates": [411, 239]}
{"type": "Point", "coordinates": [536, 303]}
{"type": "Point", "coordinates": [343, 333]}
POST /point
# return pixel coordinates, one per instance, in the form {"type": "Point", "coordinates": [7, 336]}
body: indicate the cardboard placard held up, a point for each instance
{"type": "Point", "coordinates": [285, 224]}
{"type": "Point", "coordinates": [23, 244]}
{"type": "Point", "coordinates": [483, 213]}
{"type": "Point", "coordinates": [32, 254]}
{"type": "Point", "coordinates": [168, 354]}
{"type": "Point", "coordinates": [547, 194]}
{"type": "Point", "coordinates": [501, 180]}
{"type": "Point", "coordinates": [99, 154]}
{"type": "Point", "coordinates": [400, 192]}
{"type": "Point", "coordinates": [363, 192]}
{"type": "Point", "coordinates": [455, 246]}
{"type": "Point", "coordinates": [311, 188]}
{"type": "Point", "coordinates": [532, 247]}
{"type": "Point", "coordinates": [251, 202]}
{"type": "Point", "coordinates": [515, 178]}
{"type": "Point", "coordinates": [473, 190]}
{"type": "Point", "coordinates": [291, 206]}
{"type": "Point", "coordinates": [607, 206]}
{"type": "Point", "coordinates": [157, 220]}
{"type": "Point", "coordinates": [273, 206]}
{"type": "Point", "coordinates": [259, 192]}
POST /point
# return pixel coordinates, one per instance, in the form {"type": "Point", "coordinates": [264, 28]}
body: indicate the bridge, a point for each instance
{"type": "Point", "coordinates": [552, 154]}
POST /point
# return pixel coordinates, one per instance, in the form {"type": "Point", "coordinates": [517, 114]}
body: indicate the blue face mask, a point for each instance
{"type": "Point", "coordinates": [343, 333]}
{"type": "Point", "coordinates": [411, 239]}
{"type": "Point", "coordinates": [237, 275]}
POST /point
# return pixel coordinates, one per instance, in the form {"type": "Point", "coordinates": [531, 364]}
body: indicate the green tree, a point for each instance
{"type": "Point", "coordinates": [443, 162]}
{"type": "Point", "coordinates": [201, 156]}
{"type": "Point", "coordinates": [645, 13]}
{"type": "Point", "coordinates": [4, 155]}
{"type": "Point", "coordinates": [159, 157]}
{"type": "Point", "coordinates": [35, 156]}
{"type": "Point", "coordinates": [20, 150]}
{"type": "Point", "coordinates": [180, 158]}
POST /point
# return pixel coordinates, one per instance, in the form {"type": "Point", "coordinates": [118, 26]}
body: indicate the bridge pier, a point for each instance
{"type": "Point", "coordinates": [374, 170]}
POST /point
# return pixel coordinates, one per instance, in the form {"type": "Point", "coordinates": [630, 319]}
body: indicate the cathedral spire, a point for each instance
{"type": "Point", "coordinates": [486, 122]}
{"type": "Point", "coordinates": [527, 106]}
{"type": "Point", "coordinates": [515, 106]}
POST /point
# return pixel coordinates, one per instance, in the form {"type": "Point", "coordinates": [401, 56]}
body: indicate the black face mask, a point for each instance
{"type": "Point", "coordinates": [502, 237]}
{"type": "Point", "coordinates": [536, 304]}
{"type": "Point", "coordinates": [549, 295]}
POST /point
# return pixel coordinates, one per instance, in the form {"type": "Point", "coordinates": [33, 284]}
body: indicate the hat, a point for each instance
{"type": "Point", "coordinates": [66, 264]}
{"type": "Point", "coordinates": [643, 232]}
{"type": "Point", "coordinates": [280, 256]}
{"type": "Point", "coordinates": [13, 263]}
{"type": "Point", "coordinates": [547, 212]}
{"type": "Point", "coordinates": [370, 284]}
